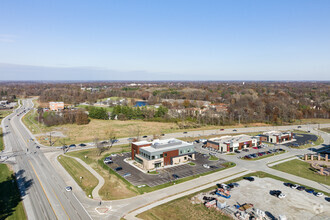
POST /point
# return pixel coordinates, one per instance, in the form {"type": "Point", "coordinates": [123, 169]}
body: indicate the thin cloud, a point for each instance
{"type": "Point", "coordinates": [7, 38]}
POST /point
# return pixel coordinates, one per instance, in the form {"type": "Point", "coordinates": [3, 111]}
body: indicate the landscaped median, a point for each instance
{"type": "Point", "coordinates": [85, 179]}
{"type": "Point", "coordinates": [183, 208]}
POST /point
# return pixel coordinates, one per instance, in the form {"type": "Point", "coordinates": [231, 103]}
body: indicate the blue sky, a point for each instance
{"type": "Point", "coordinates": [165, 40]}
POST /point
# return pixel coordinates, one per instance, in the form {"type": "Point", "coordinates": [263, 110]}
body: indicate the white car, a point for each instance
{"type": "Point", "coordinates": [206, 166]}
{"type": "Point", "coordinates": [295, 186]}
{"type": "Point", "coordinates": [281, 196]}
{"type": "Point", "coordinates": [319, 194]}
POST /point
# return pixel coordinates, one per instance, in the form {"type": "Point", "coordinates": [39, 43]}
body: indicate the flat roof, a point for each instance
{"type": "Point", "coordinates": [275, 133]}
{"type": "Point", "coordinates": [228, 139]}
{"type": "Point", "coordinates": [163, 145]}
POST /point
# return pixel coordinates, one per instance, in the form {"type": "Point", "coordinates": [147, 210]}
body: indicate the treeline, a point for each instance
{"type": "Point", "coordinates": [127, 113]}
{"type": "Point", "coordinates": [49, 118]}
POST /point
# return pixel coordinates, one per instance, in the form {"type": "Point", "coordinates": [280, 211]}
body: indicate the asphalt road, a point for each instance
{"type": "Point", "coordinates": [42, 189]}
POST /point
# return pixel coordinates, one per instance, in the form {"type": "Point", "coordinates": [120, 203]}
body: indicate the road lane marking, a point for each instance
{"type": "Point", "coordinates": [61, 204]}
{"type": "Point", "coordinates": [42, 188]}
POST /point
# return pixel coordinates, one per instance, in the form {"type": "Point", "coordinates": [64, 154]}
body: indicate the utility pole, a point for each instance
{"type": "Point", "coordinates": [239, 119]}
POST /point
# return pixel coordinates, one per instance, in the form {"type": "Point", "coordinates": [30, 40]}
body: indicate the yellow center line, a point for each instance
{"type": "Point", "coordinates": [42, 188]}
{"type": "Point", "coordinates": [61, 204]}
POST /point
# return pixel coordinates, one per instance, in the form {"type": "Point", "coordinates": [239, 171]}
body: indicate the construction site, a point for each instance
{"type": "Point", "coordinates": [255, 200]}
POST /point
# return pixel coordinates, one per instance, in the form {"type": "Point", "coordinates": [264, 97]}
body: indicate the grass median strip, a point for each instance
{"type": "Point", "coordinates": [88, 181]}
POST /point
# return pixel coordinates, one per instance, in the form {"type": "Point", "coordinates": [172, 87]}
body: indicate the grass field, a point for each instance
{"type": "Point", "coordinates": [182, 208]}
{"type": "Point", "coordinates": [302, 169]}
{"type": "Point", "coordinates": [213, 158]}
{"type": "Point", "coordinates": [326, 130]}
{"type": "Point", "coordinates": [76, 170]}
{"type": "Point", "coordinates": [11, 206]}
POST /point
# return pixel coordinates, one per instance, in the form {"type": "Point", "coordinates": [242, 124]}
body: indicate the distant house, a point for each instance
{"type": "Point", "coordinates": [56, 106]}
{"type": "Point", "coordinates": [220, 107]}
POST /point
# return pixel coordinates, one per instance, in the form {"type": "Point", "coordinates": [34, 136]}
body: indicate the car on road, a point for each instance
{"type": "Point", "coordinates": [185, 132]}
{"type": "Point", "coordinates": [82, 145]}
{"type": "Point", "coordinates": [8, 119]}
{"type": "Point", "coordinates": [163, 134]}
{"type": "Point", "coordinates": [206, 166]}
{"type": "Point", "coordinates": [309, 190]}
{"type": "Point", "coordinates": [126, 174]}
{"type": "Point", "coordinates": [249, 178]}
{"type": "Point", "coordinates": [145, 136]}
{"type": "Point", "coordinates": [72, 145]}
{"type": "Point", "coordinates": [118, 168]}
{"type": "Point", "coordinates": [234, 130]}
{"type": "Point", "coordinates": [68, 188]}
{"type": "Point", "coordinates": [37, 147]}
{"type": "Point", "coordinates": [299, 126]}
{"type": "Point", "coordinates": [222, 129]}
{"type": "Point", "coordinates": [319, 194]}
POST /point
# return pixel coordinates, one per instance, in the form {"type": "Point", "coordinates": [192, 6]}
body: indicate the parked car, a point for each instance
{"type": "Point", "coordinates": [82, 145]}
{"type": "Point", "coordinates": [309, 190]}
{"type": "Point", "coordinates": [213, 167]}
{"type": "Point", "coordinates": [118, 168]}
{"type": "Point", "coordinates": [126, 174]}
{"type": "Point", "coordinates": [319, 194]}
{"type": "Point", "coordinates": [68, 188]}
{"type": "Point", "coordinates": [246, 150]}
{"type": "Point", "coordinates": [233, 185]}
{"type": "Point", "coordinates": [301, 188]}
{"type": "Point", "coordinates": [206, 166]}
{"type": "Point", "coordinates": [249, 178]}
{"type": "Point", "coordinates": [288, 184]}
{"type": "Point", "coordinates": [294, 186]}
{"type": "Point", "coordinates": [175, 176]}
{"type": "Point", "coordinates": [237, 151]}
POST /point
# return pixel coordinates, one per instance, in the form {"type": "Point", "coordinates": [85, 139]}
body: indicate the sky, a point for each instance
{"type": "Point", "coordinates": [164, 40]}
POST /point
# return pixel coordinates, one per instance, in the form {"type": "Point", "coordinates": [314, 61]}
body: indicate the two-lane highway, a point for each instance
{"type": "Point", "coordinates": [42, 189]}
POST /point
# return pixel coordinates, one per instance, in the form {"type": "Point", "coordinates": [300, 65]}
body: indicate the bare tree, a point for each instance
{"type": "Point", "coordinates": [111, 134]}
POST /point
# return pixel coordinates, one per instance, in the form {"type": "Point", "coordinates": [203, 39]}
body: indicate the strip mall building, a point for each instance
{"type": "Point", "coordinates": [276, 137]}
{"type": "Point", "coordinates": [227, 144]}
{"type": "Point", "coordinates": [160, 153]}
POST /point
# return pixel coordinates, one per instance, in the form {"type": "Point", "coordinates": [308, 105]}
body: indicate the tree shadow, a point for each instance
{"type": "Point", "coordinates": [10, 195]}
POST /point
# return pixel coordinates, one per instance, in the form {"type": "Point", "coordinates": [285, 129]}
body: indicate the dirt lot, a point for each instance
{"type": "Point", "coordinates": [296, 204]}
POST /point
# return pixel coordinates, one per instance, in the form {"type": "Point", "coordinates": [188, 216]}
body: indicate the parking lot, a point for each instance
{"type": "Point", "coordinates": [296, 204]}
{"type": "Point", "coordinates": [301, 139]}
{"type": "Point", "coordinates": [138, 177]}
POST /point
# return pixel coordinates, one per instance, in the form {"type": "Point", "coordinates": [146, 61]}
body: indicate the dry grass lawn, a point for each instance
{"type": "Point", "coordinates": [181, 209]}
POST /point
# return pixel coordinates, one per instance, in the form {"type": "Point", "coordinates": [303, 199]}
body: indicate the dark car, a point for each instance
{"type": "Point", "coordinates": [37, 147]}
{"type": "Point", "coordinates": [237, 151]}
{"type": "Point", "coordinates": [234, 130]}
{"type": "Point", "coordinates": [246, 150]}
{"type": "Point", "coordinates": [222, 129]}
{"type": "Point", "coordinates": [175, 176]}
{"type": "Point", "coordinates": [145, 136]}
{"type": "Point", "coordinates": [118, 168]}
{"type": "Point", "coordinates": [249, 178]}
{"type": "Point", "coordinates": [185, 132]}
{"type": "Point", "coordinates": [163, 134]}
{"type": "Point", "coordinates": [213, 167]}
{"type": "Point", "coordinates": [301, 188]}
{"type": "Point", "coordinates": [288, 184]}
{"type": "Point", "coordinates": [233, 185]}
{"type": "Point", "coordinates": [72, 145]}
{"type": "Point", "coordinates": [82, 145]}
{"type": "Point", "coordinates": [275, 192]}
{"type": "Point", "coordinates": [309, 190]}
